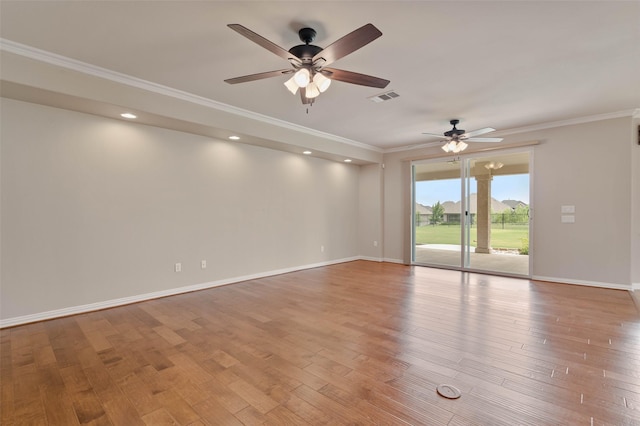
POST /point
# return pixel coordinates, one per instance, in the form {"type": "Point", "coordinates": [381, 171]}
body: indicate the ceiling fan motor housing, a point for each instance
{"type": "Point", "coordinates": [306, 51]}
{"type": "Point", "coordinates": [454, 132]}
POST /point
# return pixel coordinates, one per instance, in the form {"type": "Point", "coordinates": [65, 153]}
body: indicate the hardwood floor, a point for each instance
{"type": "Point", "coordinates": [353, 343]}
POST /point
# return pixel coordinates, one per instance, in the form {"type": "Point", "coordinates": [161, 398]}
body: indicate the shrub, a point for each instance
{"type": "Point", "coordinates": [524, 249]}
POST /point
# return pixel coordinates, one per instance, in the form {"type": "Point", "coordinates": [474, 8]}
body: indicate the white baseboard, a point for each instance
{"type": "Point", "coordinates": [400, 261]}
{"type": "Point", "coordinates": [371, 259]}
{"type": "Point", "coordinates": [73, 310]}
{"type": "Point", "coordinates": [613, 286]}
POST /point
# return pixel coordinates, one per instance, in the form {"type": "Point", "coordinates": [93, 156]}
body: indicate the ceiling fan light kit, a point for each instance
{"type": "Point", "coordinates": [322, 82]}
{"type": "Point", "coordinates": [454, 146]}
{"type": "Point", "coordinates": [311, 91]}
{"type": "Point", "coordinates": [314, 86]}
{"type": "Point", "coordinates": [292, 85]}
{"type": "Point", "coordinates": [311, 76]}
{"type": "Point", "coordinates": [302, 77]}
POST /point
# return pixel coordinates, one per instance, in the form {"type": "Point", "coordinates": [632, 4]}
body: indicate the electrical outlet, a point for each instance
{"type": "Point", "coordinates": [203, 264]}
{"type": "Point", "coordinates": [178, 267]}
{"type": "Point", "coordinates": [375, 244]}
{"type": "Point", "coordinates": [322, 249]}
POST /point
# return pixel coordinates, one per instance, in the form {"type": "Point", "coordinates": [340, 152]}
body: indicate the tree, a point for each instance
{"type": "Point", "coordinates": [437, 213]}
{"type": "Point", "coordinates": [522, 213]}
{"type": "Point", "coordinates": [519, 215]}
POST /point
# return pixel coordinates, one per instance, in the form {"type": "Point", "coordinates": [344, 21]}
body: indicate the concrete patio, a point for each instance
{"type": "Point", "coordinates": [449, 255]}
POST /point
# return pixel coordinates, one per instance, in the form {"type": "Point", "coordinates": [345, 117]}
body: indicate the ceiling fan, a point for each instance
{"type": "Point", "coordinates": [309, 62]}
{"type": "Point", "coordinates": [455, 138]}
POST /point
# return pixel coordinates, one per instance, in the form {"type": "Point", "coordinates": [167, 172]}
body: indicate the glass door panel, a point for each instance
{"type": "Point", "coordinates": [437, 213]}
{"type": "Point", "coordinates": [498, 213]}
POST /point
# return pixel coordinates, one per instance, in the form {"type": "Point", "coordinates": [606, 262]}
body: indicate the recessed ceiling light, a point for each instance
{"type": "Point", "coordinates": [234, 138]}
{"type": "Point", "coordinates": [128, 115]}
{"type": "Point", "coordinates": [307, 152]}
{"type": "Point", "coordinates": [348, 160]}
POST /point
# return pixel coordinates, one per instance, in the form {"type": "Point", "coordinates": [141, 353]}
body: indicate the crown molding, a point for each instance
{"type": "Point", "coordinates": [121, 78]}
{"type": "Point", "coordinates": [570, 122]}
{"type": "Point", "coordinates": [412, 147]}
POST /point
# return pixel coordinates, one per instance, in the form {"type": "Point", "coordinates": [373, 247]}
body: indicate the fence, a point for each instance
{"type": "Point", "coordinates": [498, 220]}
{"type": "Point", "coordinates": [509, 218]}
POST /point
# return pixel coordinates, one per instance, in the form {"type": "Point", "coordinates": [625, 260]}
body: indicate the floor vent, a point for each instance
{"type": "Point", "coordinates": [386, 96]}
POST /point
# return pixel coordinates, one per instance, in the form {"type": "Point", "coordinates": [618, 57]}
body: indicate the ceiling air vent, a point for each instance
{"type": "Point", "coordinates": [386, 96]}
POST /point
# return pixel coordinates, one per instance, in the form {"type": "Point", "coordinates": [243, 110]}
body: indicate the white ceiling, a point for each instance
{"type": "Point", "coordinates": [499, 64]}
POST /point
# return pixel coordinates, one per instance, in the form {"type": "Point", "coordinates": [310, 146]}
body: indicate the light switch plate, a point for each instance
{"type": "Point", "coordinates": [568, 218]}
{"type": "Point", "coordinates": [568, 209]}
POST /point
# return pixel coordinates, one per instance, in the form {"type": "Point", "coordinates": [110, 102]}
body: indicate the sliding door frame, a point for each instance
{"type": "Point", "coordinates": [465, 225]}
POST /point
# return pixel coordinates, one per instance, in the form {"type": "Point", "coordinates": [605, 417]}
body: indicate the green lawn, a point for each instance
{"type": "Point", "coordinates": [450, 234]}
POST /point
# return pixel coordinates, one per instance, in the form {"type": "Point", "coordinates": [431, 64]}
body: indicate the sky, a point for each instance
{"type": "Point", "coordinates": [512, 187]}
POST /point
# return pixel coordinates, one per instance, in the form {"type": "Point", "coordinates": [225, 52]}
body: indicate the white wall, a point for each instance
{"type": "Point", "coordinates": [586, 165]}
{"type": "Point", "coordinates": [95, 209]}
{"type": "Point", "coordinates": [583, 165]}
{"type": "Point", "coordinates": [397, 204]}
{"type": "Point", "coordinates": [370, 239]}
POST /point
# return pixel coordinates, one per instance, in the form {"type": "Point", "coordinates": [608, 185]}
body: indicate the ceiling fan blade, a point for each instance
{"type": "Point", "coordinates": [433, 134]}
{"type": "Point", "coordinates": [259, 76]}
{"type": "Point", "coordinates": [348, 44]}
{"type": "Point", "coordinates": [258, 39]}
{"type": "Point", "coordinates": [356, 78]}
{"type": "Point", "coordinates": [479, 132]}
{"type": "Point", "coordinates": [483, 139]}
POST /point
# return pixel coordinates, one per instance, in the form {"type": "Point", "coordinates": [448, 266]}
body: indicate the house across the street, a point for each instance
{"type": "Point", "coordinates": [453, 209]}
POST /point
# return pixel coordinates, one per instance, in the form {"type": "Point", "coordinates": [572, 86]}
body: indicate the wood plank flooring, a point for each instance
{"type": "Point", "coordinates": [354, 343]}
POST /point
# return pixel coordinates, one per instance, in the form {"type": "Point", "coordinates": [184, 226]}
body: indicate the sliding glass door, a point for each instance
{"type": "Point", "coordinates": [473, 213]}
